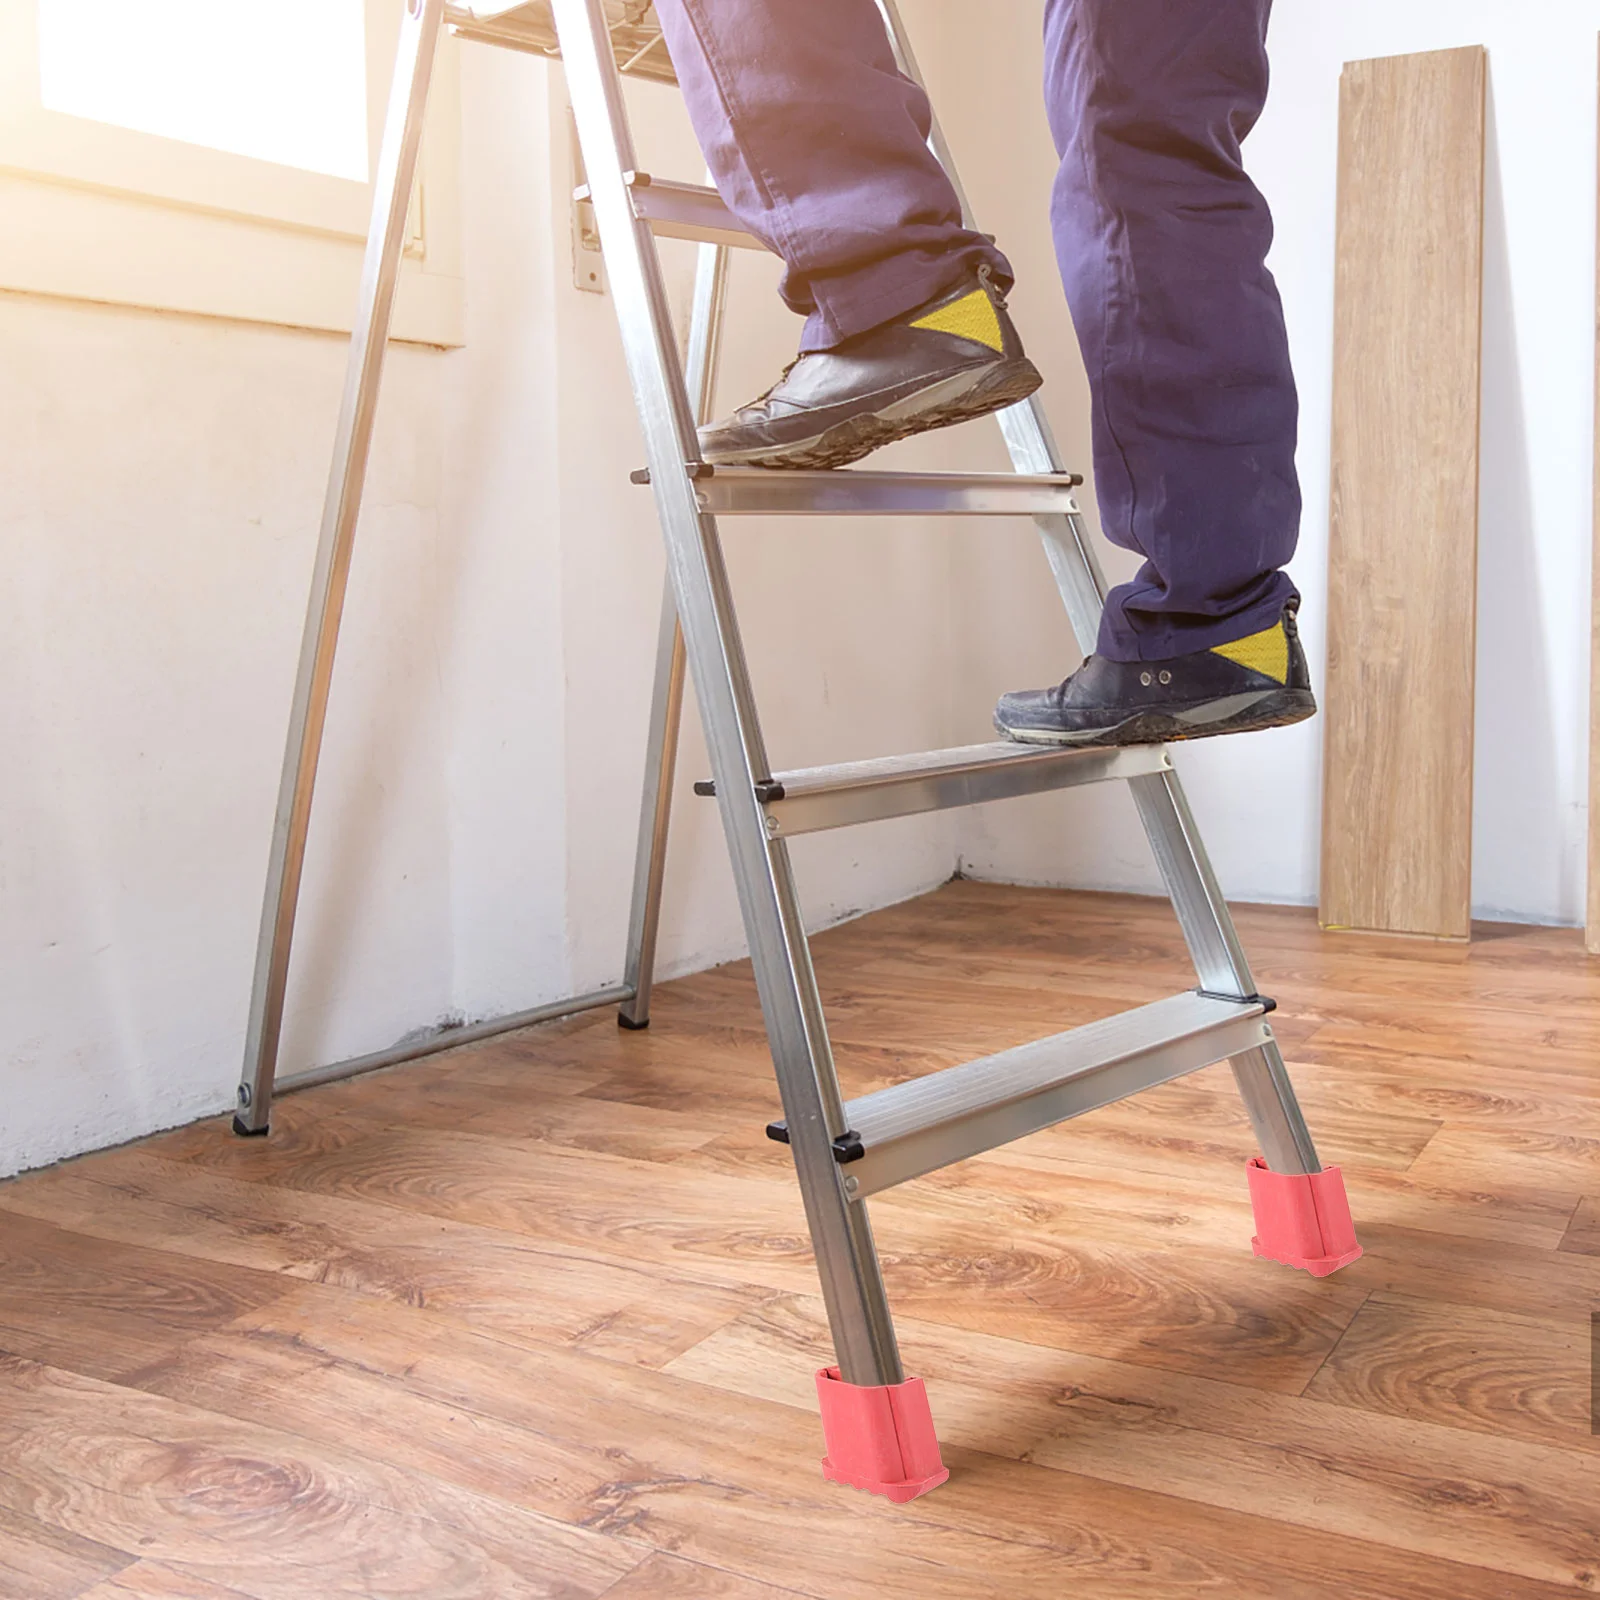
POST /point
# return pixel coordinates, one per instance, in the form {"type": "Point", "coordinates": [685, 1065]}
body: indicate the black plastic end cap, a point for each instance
{"type": "Point", "coordinates": [706, 788]}
{"type": "Point", "coordinates": [1265, 1001]}
{"type": "Point", "coordinates": [641, 477]}
{"type": "Point", "coordinates": [846, 1148]}
{"type": "Point", "coordinates": [245, 1131]}
{"type": "Point", "coordinates": [625, 1021]}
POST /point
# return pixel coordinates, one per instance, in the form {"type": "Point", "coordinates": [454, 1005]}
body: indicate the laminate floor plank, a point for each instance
{"type": "Point", "coordinates": [1365, 1086]}
{"type": "Point", "coordinates": [488, 1277]}
{"type": "Point", "coordinates": [39, 1561]}
{"type": "Point", "coordinates": [1492, 1371]}
{"type": "Point", "coordinates": [538, 1316]}
{"type": "Point", "coordinates": [151, 1580]}
{"type": "Point", "coordinates": [1557, 1169]}
{"type": "Point", "coordinates": [1180, 1310]}
{"type": "Point", "coordinates": [1583, 1232]}
{"type": "Point", "coordinates": [67, 1300]}
{"type": "Point", "coordinates": [633, 1453]}
{"type": "Point", "coordinates": [1434, 1490]}
{"type": "Point", "coordinates": [1081, 1197]}
{"type": "Point", "coordinates": [277, 1517]}
{"type": "Point", "coordinates": [669, 1578]}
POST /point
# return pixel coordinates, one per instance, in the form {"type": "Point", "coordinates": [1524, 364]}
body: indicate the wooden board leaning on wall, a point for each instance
{"type": "Point", "coordinates": [1402, 562]}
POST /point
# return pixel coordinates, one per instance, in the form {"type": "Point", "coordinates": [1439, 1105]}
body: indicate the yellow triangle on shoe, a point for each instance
{"type": "Point", "coordinates": [1266, 652]}
{"type": "Point", "coordinates": [971, 317]}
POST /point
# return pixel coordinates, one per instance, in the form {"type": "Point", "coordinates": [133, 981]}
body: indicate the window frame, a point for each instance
{"type": "Point", "coordinates": [91, 211]}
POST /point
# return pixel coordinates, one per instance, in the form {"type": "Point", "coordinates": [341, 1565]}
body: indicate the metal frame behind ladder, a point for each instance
{"type": "Point", "coordinates": [842, 1152]}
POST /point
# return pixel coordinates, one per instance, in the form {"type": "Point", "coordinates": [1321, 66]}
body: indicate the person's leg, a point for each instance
{"type": "Point", "coordinates": [818, 145]}
{"type": "Point", "coordinates": [1161, 238]}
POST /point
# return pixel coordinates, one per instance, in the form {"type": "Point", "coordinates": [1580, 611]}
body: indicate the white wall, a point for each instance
{"type": "Point", "coordinates": [1258, 799]}
{"type": "Point", "coordinates": [472, 844]}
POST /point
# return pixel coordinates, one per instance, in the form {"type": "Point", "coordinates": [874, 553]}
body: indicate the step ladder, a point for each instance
{"type": "Point", "coordinates": [876, 1421]}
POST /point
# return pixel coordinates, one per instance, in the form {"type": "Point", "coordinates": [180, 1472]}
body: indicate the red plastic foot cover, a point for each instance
{"type": "Point", "coordinates": [1302, 1219]}
{"type": "Point", "coordinates": [879, 1437]}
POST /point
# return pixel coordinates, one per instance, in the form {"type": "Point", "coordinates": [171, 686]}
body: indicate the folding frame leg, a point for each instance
{"type": "Point", "coordinates": [661, 753]}
{"type": "Point", "coordinates": [397, 166]}
{"type": "Point", "coordinates": [877, 1454]}
{"type": "Point", "coordinates": [655, 814]}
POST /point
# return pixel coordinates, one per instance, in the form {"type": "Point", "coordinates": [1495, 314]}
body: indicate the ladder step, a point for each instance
{"type": "Point", "coordinates": [917, 1127]}
{"type": "Point", "coordinates": [815, 798]}
{"type": "Point", "coordinates": [528, 26]}
{"type": "Point", "coordinates": [760, 491]}
{"type": "Point", "coordinates": [686, 211]}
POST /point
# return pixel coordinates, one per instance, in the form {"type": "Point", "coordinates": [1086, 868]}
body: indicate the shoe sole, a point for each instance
{"type": "Point", "coordinates": [959, 398]}
{"type": "Point", "coordinates": [1235, 713]}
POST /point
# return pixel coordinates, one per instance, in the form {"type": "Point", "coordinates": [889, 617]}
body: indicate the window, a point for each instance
{"type": "Point", "coordinates": [252, 80]}
{"type": "Point", "coordinates": [214, 156]}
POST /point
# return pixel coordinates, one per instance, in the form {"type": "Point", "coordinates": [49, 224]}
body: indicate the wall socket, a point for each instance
{"type": "Point", "coordinates": [588, 265]}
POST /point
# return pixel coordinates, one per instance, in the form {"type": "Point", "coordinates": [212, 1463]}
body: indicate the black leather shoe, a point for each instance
{"type": "Point", "coordinates": [1258, 682]}
{"type": "Point", "coordinates": [956, 357]}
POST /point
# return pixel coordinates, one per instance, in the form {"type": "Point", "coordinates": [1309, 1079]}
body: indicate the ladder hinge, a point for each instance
{"type": "Point", "coordinates": [768, 790]}
{"type": "Point", "coordinates": [1265, 1001]}
{"type": "Point", "coordinates": [846, 1148]}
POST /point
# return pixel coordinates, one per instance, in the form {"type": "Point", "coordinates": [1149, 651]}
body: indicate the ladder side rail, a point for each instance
{"type": "Point", "coordinates": [1221, 966]}
{"type": "Point", "coordinates": [666, 705]}
{"type": "Point", "coordinates": [396, 174]}
{"type": "Point", "coordinates": [852, 1285]}
{"type": "Point", "coordinates": [655, 817]}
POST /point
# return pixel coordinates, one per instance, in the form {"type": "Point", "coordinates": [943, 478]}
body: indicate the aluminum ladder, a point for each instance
{"type": "Point", "coordinates": [878, 1429]}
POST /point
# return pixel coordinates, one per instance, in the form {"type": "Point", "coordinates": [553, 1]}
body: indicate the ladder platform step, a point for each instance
{"type": "Point", "coordinates": [529, 26]}
{"type": "Point", "coordinates": [847, 492]}
{"type": "Point", "coordinates": [900, 1133]}
{"type": "Point", "coordinates": [815, 798]}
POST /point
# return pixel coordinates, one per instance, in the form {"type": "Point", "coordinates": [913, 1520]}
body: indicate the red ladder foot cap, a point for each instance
{"type": "Point", "coordinates": [1302, 1219]}
{"type": "Point", "coordinates": [879, 1436]}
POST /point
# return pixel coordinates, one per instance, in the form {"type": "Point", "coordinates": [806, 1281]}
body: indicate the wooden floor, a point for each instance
{"type": "Point", "coordinates": [538, 1318]}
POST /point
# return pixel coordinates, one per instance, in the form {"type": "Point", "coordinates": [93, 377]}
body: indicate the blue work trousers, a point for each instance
{"type": "Point", "coordinates": [817, 144]}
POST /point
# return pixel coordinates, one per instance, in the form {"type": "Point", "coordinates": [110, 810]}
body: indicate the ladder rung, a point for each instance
{"type": "Point", "coordinates": [814, 798]}
{"type": "Point", "coordinates": [928, 1123]}
{"type": "Point", "coordinates": [528, 26]}
{"type": "Point", "coordinates": [687, 211]}
{"type": "Point", "coordinates": [761, 491]}
{"type": "Point", "coordinates": [682, 211]}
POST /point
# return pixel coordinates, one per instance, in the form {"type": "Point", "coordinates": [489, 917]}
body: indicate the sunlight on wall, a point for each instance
{"type": "Point", "coordinates": [235, 75]}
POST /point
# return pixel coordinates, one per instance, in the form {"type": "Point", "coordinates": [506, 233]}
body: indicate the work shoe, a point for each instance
{"type": "Point", "coordinates": [956, 357]}
{"type": "Point", "coordinates": [1258, 682]}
